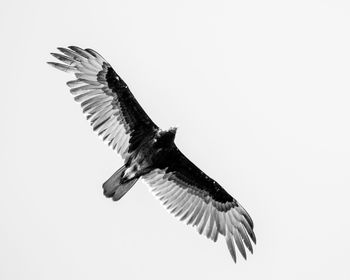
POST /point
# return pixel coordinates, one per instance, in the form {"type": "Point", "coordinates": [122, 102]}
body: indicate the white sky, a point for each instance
{"type": "Point", "coordinates": [260, 92]}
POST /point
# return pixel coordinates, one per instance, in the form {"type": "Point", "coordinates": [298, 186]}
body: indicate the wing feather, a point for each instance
{"type": "Point", "coordinates": [210, 227]}
{"type": "Point", "coordinates": [190, 209]}
{"type": "Point", "coordinates": [195, 198]}
{"type": "Point", "coordinates": [195, 213]}
{"type": "Point", "coordinates": [214, 233]}
{"type": "Point", "coordinates": [105, 99]}
{"type": "Point", "coordinates": [231, 246]}
{"type": "Point", "coordinates": [203, 221]}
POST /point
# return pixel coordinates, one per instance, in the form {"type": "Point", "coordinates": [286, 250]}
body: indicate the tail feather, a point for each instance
{"type": "Point", "coordinates": [113, 186]}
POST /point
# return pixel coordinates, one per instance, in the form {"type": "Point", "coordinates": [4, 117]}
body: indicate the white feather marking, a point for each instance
{"type": "Point", "coordinates": [172, 197]}
{"type": "Point", "coordinates": [84, 70]}
{"type": "Point", "coordinates": [200, 214]}
{"type": "Point", "coordinates": [103, 128]}
{"type": "Point", "coordinates": [214, 233]}
{"type": "Point", "coordinates": [196, 211]}
{"type": "Point", "coordinates": [72, 54]}
{"type": "Point", "coordinates": [97, 84]}
{"type": "Point", "coordinates": [239, 243]}
{"type": "Point", "coordinates": [192, 203]}
{"type": "Point", "coordinates": [110, 139]}
{"type": "Point", "coordinates": [91, 76]}
{"type": "Point", "coordinates": [220, 222]}
{"type": "Point", "coordinates": [83, 89]}
{"type": "Point", "coordinates": [65, 59]}
{"type": "Point", "coordinates": [125, 146]}
{"type": "Point", "coordinates": [102, 118]}
{"type": "Point", "coordinates": [231, 246]}
{"type": "Point", "coordinates": [171, 194]}
{"type": "Point", "coordinates": [110, 129]}
{"type": "Point", "coordinates": [121, 143]}
{"type": "Point", "coordinates": [180, 206]}
{"type": "Point", "coordinates": [95, 68]}
{"type": "Point", "coordinates": [155, 178]}
{"type": "Point", "coordinates": [233, 222]}
{"type": "Point", "coordinates": [179, 196]}
{"type": "Point", "coordinates": [95, 106]}
{"type": "Point", "coordinates": [87, 95]}
{"type": "Point", "coordinates": [161, 190]}
{"type": "Point", "coordinates": [98, 98]}
{"type": "Point", "coordinates": [95, 64]}
{"type": "Point", "coordinates": [97, 56]}
{"type": "Point", "coordinates": [74, 83]}
{"type": "Point", "coordinates": [117, 137]}
{"type": "Point", "coordinates": [204, 220]}
{"type": "Point", "coordinates": [211, 222]}
{"type": "Point", "coordinates": [100, 113]}
{"type": "Point", "coordinates": [245, 238]}
{"type": "Point", "coordinates": [63, 67]}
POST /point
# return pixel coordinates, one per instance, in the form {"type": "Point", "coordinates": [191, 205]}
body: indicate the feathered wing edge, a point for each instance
{"type": "Point", "coordinates": [99, 102]}
{"type": "Point", "coordinates": [210, 217]}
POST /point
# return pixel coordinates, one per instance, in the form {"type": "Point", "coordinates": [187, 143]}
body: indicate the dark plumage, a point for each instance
{"type": "Point", "coordinates": [150, 153]}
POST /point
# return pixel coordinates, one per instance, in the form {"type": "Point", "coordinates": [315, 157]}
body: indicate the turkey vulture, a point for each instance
{"type": "Point", "coordinates": [150, 153]}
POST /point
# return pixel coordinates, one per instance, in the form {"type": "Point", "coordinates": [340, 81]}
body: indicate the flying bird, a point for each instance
{"type": "Point", "coordinates": [151, 154]}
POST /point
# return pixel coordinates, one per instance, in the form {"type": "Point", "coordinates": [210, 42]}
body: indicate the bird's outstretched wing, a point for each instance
{"type": "Point", "coordinates": [106, 100]}
{"type": "Point", "coordinates": [194, 197]}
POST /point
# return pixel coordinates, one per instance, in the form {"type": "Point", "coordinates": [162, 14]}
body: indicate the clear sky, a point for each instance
{"type": "Point", "coordinates": [261, 95]}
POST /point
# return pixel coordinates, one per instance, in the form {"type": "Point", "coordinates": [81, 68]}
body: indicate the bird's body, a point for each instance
{"type": "Point", "coordinates": [150, 153]}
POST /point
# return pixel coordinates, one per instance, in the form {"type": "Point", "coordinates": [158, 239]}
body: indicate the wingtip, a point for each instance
{"type": "Point", "coordinates": [253, 237]}
{"type": "Point", "coordinates": [80, 51]}
{"type": "Point", "coordinates": [234, 258]}
{"type": "Point", "coordinates": [52, 64]}
{"type": "Point", "coordinates": [107, 194]}
{"type": "Point", "coordinates": [251, 250]}
{"type": "Point", "coordinates": [62, 67]}
{"type": "Point", "coordinates": [231, 247]}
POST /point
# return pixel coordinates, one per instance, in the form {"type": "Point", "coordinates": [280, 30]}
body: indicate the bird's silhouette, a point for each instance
{"type": "Point", "coordinates": [150, 153]}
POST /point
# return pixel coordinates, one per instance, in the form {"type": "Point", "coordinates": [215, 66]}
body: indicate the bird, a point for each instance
{"type": "Point", "coordinates": [150, 153]}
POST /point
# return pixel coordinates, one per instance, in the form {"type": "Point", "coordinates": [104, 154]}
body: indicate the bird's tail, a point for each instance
{"type": "Point", "coordinates": [114, 187]}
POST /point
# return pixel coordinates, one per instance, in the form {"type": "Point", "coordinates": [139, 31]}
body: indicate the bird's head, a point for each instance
{"type": "Point", "coordinates": [172, 130]}
{"type": "Point", "coordinates": [171, 134]}
{"type": "Point", "coordinates": [166, 137]}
